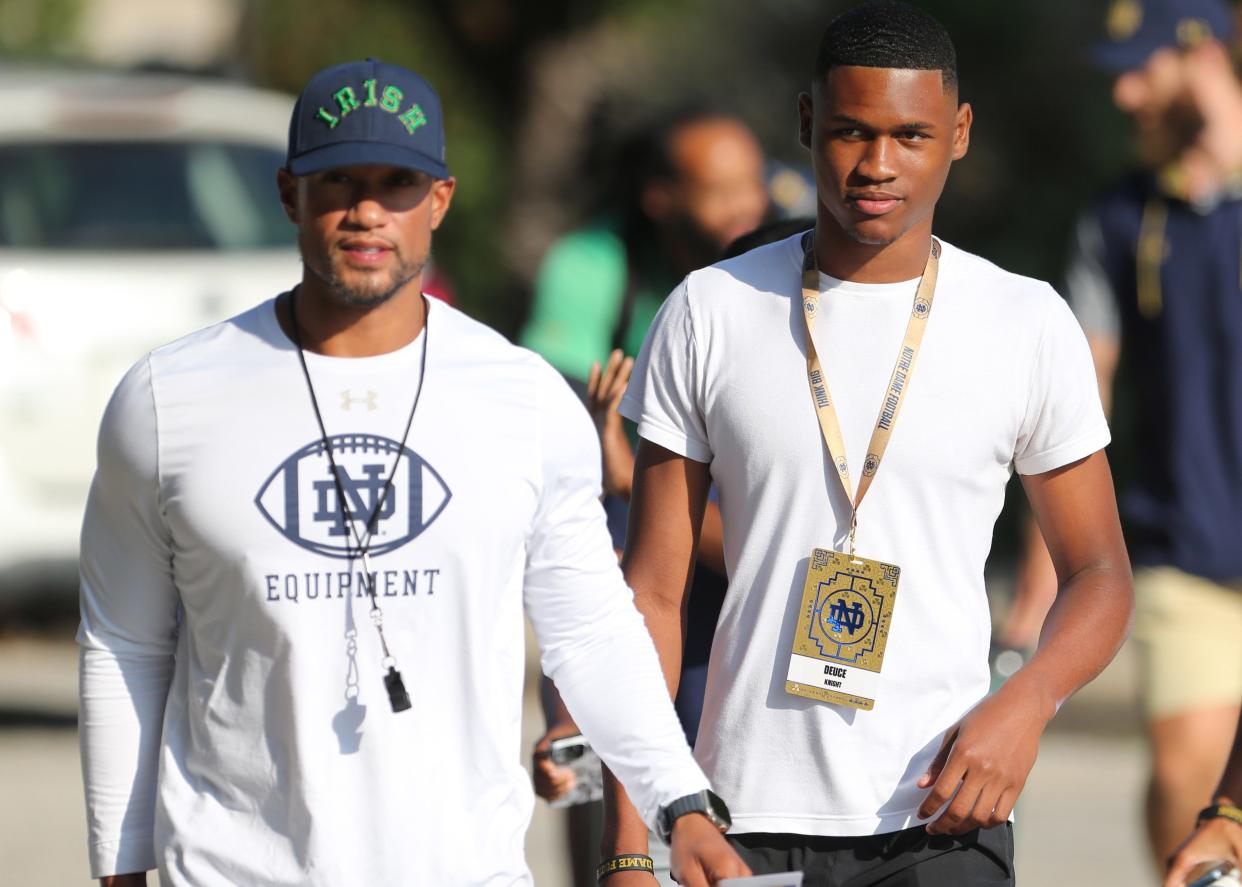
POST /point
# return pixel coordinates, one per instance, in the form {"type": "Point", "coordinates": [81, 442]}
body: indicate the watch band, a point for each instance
{"type": "Point", "coordinates": [706, 802]}
{"type": "Point", "coordinates": [626, 862]}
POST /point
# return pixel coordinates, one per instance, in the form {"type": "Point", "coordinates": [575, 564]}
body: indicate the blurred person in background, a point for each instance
{"type": "Point", "coordinates": [685, 187]}
{"type": "Point", "coordinates": [1218, 828]}
{"type": "Point", "coordinates": [1155, 278]}
{"type": "Point", "coordinates": [850, 716]}
{"type": "Point", "coordinates": [235, 722]}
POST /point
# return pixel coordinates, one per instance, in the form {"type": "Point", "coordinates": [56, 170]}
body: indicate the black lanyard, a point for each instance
{"type": "Point", "coordinates": [397, 694]}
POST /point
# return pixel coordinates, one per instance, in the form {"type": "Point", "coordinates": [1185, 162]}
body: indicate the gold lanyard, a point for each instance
{"type": "Point", "coordinates": [898, 383]}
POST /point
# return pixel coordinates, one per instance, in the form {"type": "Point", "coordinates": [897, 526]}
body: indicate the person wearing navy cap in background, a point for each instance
{"type": "Point", "coordinates": [1156, 281]}
{"type": "Point", "coordinates": [351, 452]}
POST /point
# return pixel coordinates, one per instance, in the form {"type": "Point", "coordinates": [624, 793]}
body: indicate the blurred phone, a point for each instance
{"type": "Point", "coordinates": [1214, 874]}
{"type": "Point", "coordinates": [576, 753]}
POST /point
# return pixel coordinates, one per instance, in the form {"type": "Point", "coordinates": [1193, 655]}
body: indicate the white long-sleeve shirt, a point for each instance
{"type": "Point", "coordinates": [234, 724]}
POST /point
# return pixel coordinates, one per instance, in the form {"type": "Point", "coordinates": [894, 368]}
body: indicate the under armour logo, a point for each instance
{"type": "Point", "coordinates": [371, 399]}
{"type": "Point", "coordinates": [849, 618]}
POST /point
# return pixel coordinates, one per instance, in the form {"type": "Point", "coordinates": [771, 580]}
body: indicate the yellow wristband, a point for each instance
{"type": "Point", "coordinates": [628, 862]}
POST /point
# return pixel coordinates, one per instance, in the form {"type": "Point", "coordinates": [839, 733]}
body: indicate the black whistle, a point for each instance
{"type": "Point", "coordinates": [397, 695]}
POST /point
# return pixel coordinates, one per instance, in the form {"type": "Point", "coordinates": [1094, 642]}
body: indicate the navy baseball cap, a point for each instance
{"type": "Point", "coordinates": [1137, 28]}
{"type": "Point", "coordinates": [367, 112]}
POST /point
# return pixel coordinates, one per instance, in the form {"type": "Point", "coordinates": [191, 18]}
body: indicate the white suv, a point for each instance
{"type": "Point", "coordinates": [134, 208]}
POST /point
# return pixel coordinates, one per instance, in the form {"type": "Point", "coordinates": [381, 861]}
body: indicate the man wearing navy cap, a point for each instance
{"type": "Point", "coordinates": [307, 550]}
{"type": "Point", "coordinates": [1156, 281]}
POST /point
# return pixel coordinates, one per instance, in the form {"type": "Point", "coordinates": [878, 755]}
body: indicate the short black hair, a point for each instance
{"type": "Point", "coordinates": [887, 34]}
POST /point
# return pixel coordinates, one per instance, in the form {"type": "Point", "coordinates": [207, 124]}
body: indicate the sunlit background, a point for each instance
{"type": "Point", "coordinates": [138, 144]}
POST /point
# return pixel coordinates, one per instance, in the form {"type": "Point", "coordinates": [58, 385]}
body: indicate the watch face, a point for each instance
{"type": "Point", "coordinates": [719, 812]}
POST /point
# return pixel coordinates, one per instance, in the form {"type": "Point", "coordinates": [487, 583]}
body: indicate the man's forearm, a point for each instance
{"type": "Point", "coordinates": [1085, 628]}
{"type": "Point", "coordinates": [624, 830]}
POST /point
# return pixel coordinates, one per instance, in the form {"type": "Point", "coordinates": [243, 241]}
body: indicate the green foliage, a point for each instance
{"type": "Point", "coordinates": [33, 28]}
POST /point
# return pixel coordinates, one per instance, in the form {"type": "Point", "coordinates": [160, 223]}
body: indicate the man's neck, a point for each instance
{"type": "Point", "coordinates": [335, 329]}
{"type": "Point", "coordinates": [841, 256]}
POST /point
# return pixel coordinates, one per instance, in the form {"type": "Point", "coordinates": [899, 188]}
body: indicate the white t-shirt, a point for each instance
{"type": "Point", "coordinates": [219, 740]}
{"type": "Point", "coordinates": [1004, 378]}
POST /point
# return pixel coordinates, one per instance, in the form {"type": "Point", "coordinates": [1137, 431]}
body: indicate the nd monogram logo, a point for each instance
{"type": "Point", "coordinates": [300, 498]}
{"type": "Point", "coordinates": [363, 495]}
{"type": "Point", "coordinates": [846, 615]}
{"type": "Point", "coordinates": [843, 618]}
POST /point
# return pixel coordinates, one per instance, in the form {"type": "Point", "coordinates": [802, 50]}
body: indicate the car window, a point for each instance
{"type": "Point", "coordinates": [141, 195]}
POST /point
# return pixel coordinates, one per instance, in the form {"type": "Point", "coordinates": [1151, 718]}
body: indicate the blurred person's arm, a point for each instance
{"type": "Point", "coordinates": [597, 650]}
{"type": "Point", "coordinates": [1218, 838]}
{"type": "Point", "coordinates": [552, 781]}
{"type": "Point", "coordinates": [127, 636]}
{"type": "Point", "coordinates": [1094, 303]}
{"type": "Point", "coordinates": [605, 387]}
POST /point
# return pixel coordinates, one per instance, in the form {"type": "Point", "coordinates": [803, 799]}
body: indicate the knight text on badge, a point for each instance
{"type": "Point", "coordinates": [843, 623]}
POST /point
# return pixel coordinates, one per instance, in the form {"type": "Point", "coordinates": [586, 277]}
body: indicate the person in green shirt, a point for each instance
{"type": "Point", "coordinates": [693, 184]}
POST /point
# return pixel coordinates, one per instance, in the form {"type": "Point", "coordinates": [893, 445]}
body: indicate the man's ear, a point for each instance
{"type": "Point", "coordinates": [961, 130]}
{"type": "Point", "coordinates": [287, 186]}
{"type": "Point", "coordinates": [441, 196]}
{"type": "Point", "coordinates": [806, 116]}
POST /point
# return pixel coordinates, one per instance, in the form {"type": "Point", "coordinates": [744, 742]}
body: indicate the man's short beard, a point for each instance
{"type": "Point", "coordinates": [360, 298]}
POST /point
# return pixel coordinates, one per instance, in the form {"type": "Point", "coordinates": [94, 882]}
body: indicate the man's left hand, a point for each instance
{"type": "Point", "coordinates": [700, 855]}
{"type": "Point", "coordinates": [984, 761]}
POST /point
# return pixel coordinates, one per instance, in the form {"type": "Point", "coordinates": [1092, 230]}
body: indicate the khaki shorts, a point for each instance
{"type": "Point", "coordinates": [1188, 632]}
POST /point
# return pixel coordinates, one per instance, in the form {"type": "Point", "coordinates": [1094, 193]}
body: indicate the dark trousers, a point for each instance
{"type": "Point", "coordinates": [909, 858]}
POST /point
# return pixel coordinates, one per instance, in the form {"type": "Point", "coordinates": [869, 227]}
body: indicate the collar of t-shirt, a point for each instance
{"type": "Point", "coordinates": [834, 286]}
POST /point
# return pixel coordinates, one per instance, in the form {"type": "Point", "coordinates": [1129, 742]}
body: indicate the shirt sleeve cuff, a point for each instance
{"type": "Point", "coordinates": [130, 853]}
{"type": "Point", "coordinates": [1066, 453]}
{"type": "Point", "coordinates": [665, 435]}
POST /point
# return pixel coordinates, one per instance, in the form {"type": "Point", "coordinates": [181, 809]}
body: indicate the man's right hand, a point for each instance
{"type": "Point", "coordinates": [133, 879]}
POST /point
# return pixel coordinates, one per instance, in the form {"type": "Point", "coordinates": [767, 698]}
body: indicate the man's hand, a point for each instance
{"type": "Point", "coordinates": [701, 856]}
{"type": "Point", "coordinates": [1214, 840]}
{"type": "Point", "coordinates": [552, 781]}
{"type": "Point", "coordinates": [134, 879]}
{"type": "Point", "coordinates": [985, 758]}
{"type": "Point", "coordinates": [605, 389]}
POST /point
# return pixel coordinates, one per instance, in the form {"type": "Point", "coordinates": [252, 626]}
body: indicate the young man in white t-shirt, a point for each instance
{"type": "Point", "coordinates": [308, 546]}
{"type": "Point", "coordinates": [846, 716]}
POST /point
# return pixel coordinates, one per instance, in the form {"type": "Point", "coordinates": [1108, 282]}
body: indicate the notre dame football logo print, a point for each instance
{"type": "Point", "coordinates": [847, 610]}
{"type": "Point", "coordinates": [301, 500]}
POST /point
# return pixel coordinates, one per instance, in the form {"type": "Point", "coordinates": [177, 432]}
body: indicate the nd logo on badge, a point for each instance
{"type": "Point", "coordinates": [843, 624]}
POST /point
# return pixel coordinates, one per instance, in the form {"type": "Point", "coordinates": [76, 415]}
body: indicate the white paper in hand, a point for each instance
{"type": "Point", "coordinates": [780, 879]}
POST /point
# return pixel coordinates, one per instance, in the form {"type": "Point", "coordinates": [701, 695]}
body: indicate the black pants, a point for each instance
{"type": "Point", "coordinates": [909, 858]}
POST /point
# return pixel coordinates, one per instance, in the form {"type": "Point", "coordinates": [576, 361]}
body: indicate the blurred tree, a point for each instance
{"type": "Point", "coordinates": [531, 89]}
{"type": "Point", "coordinates": [37, 28]}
